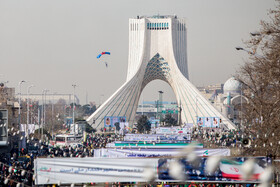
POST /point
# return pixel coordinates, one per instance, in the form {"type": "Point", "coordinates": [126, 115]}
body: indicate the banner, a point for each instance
{"type": "Point", "coordinates": [208, 122]}
{"type": "Point", "coordinates": [121, 153]}
{"type": "Point", "coordinates": [232, 168]}
{"type": "Point", "coordinates": [90, 169]}
{"type": "Point", "coordinates": [100, 170]}
{"type": "Point", "coordinates": [173, 130]}
{"type": "Point", "coordinates": [229, 169]}
{"type": "Point", "coordinates": [155, 137]}
{"type": "Point", "coordinates": [110, 121]}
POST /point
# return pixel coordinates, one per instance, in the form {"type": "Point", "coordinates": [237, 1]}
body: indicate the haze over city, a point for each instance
{"type": "Point", "coordinates": [53, 44]}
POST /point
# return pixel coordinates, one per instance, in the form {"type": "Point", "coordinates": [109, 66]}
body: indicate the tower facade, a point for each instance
{"type": "Point", "coordinates": [157, 50]}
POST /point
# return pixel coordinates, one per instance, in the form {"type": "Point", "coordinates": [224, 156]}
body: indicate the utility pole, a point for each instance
{"type": "Point", "coordinates": [160, 105]}
{"type": "Point", "coordinates": [44, 111]}
{"type": "Point", "coordinates": [74, 86]}
{"type": "Point", "coordinates": [42, 114]}
{"type": "Point", "coordinates": [19, 101]}
{"type": "Point", "coordinates": [180, 109]}
{"type": "Point", "coordinates": [53, 111]}
{"type": "Point", "coordinates": [27, 117]}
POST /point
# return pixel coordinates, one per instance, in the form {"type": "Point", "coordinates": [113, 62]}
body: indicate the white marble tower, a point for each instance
{"type": "Point", "coordinates": [157, 50]}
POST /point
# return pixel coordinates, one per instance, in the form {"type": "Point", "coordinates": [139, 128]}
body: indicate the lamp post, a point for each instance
{"type": "Point", "coordinates": [52, 111]}
{"type": "Point", "coordinates": [27, 117]}
{"type": "Point", "coordinates": [43, 121]}
{"type": "Point", "coordinates": [160, 105]}
{"type": "Point", "coordinates": [74, 86]}
{"type": "Point", "coordinates": [42, 113]}
{"type": "Point", "coordinates": [249, 52]}
{"type": "Point", "coordinates": [19, 100]}
{"type": "Point", "coordinates": [180, 110]}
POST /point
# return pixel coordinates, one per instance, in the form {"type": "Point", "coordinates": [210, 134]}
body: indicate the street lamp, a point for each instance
{"type": "Point", "coordinates": [19, 100]}
{"type": "Point", "coordinates": [249, 52]}
{"type": "Point", "coordinates": [27, 117]}
{"type": "Point", "coordinates": [179, 112]}
{"type": "Point", "coordinates": [53, 110]}
{"type": "Point", "coordinates": [160, 105]}
{"type": "Point", "coordinates": [74, 86]}
{"type": "Point", "coordinates": [242, 49]}
{"type": "Point", "coordinates": [255, 33]}
{"type": "Point", "coordinates": [43, 121]}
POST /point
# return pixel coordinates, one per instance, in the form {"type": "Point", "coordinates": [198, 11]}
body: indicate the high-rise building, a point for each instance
{"type": "Point", "coordinates": [157, 50]}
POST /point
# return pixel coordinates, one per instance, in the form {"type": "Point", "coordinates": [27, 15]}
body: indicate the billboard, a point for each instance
{"type": "Point", "coordinates": [208, 121]}
{"type": "Point", "coordinates": [110, 121]}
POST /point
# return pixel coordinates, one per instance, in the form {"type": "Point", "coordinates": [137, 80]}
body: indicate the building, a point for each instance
{"type": "Point", "coordinates": [229, 102]}
{"type": "Point", "coordinates": [51, 98]}
{"type": "Point", "coordinates": [157, 50]}
{"type": "Point", "coordinates": [9, 103]}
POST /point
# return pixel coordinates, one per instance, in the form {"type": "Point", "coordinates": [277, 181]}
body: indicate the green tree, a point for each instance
{"type": "Point", "coordinates": [117, 125]}
{"type": "Point", "coordinates": [260, 77]}
{"type": "Point", "coordinates": [169, 120]}
{"type": "Point", "coordinates": [143, 124]}
{"type": "Point", "coordinates": [88, 109]}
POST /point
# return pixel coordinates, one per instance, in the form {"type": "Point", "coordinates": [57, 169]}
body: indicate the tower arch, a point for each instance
{"type": "Point", "coordinates": [157, 50]}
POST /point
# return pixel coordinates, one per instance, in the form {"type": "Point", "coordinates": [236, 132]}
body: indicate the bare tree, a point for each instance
{"type": "Point", "coordinates": [260, 77]}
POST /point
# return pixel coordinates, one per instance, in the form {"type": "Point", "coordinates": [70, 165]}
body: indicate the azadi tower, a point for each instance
{"type": "Point", "coordinates": [157, 50]}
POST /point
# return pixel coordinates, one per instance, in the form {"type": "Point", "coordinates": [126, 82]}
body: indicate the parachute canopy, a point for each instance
{"type": "Point", "coordinates": [103, 53]}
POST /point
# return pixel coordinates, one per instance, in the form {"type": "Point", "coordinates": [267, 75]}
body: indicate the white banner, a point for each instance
{"type": "Point", "coordinates": [101, 170]}
{"type": "Point", "coordinates": [173, 130]}
{"type": "Point", "coordinates": [90, 169]}
{"type": "Point", "coordinates": [121, 153]}
{"type": "Point", "coordinates": [155, 137]}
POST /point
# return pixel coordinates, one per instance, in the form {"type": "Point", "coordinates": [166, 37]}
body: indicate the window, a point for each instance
{"type": "Point", "coordinates": [154, 26]}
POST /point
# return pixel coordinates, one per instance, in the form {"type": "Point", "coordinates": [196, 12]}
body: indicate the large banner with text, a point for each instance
{"type": "Point", "coordinates": [100, 170]}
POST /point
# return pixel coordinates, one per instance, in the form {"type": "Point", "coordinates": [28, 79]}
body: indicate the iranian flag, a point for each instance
{"type": "Point", "coordinates": [232, 170]}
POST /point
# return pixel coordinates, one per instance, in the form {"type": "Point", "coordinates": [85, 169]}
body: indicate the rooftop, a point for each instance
{"type": "Point", "coordinates": [158, 16]}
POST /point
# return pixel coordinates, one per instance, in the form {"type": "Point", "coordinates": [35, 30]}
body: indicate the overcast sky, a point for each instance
{"type": "Point", "coordinates": [54, 43]}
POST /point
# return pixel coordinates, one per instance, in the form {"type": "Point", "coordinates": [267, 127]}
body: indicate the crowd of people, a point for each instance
{"type": "Point", "coordinates": [17, 167]}
{"type": "Point", "coordinates": [217, 137]}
